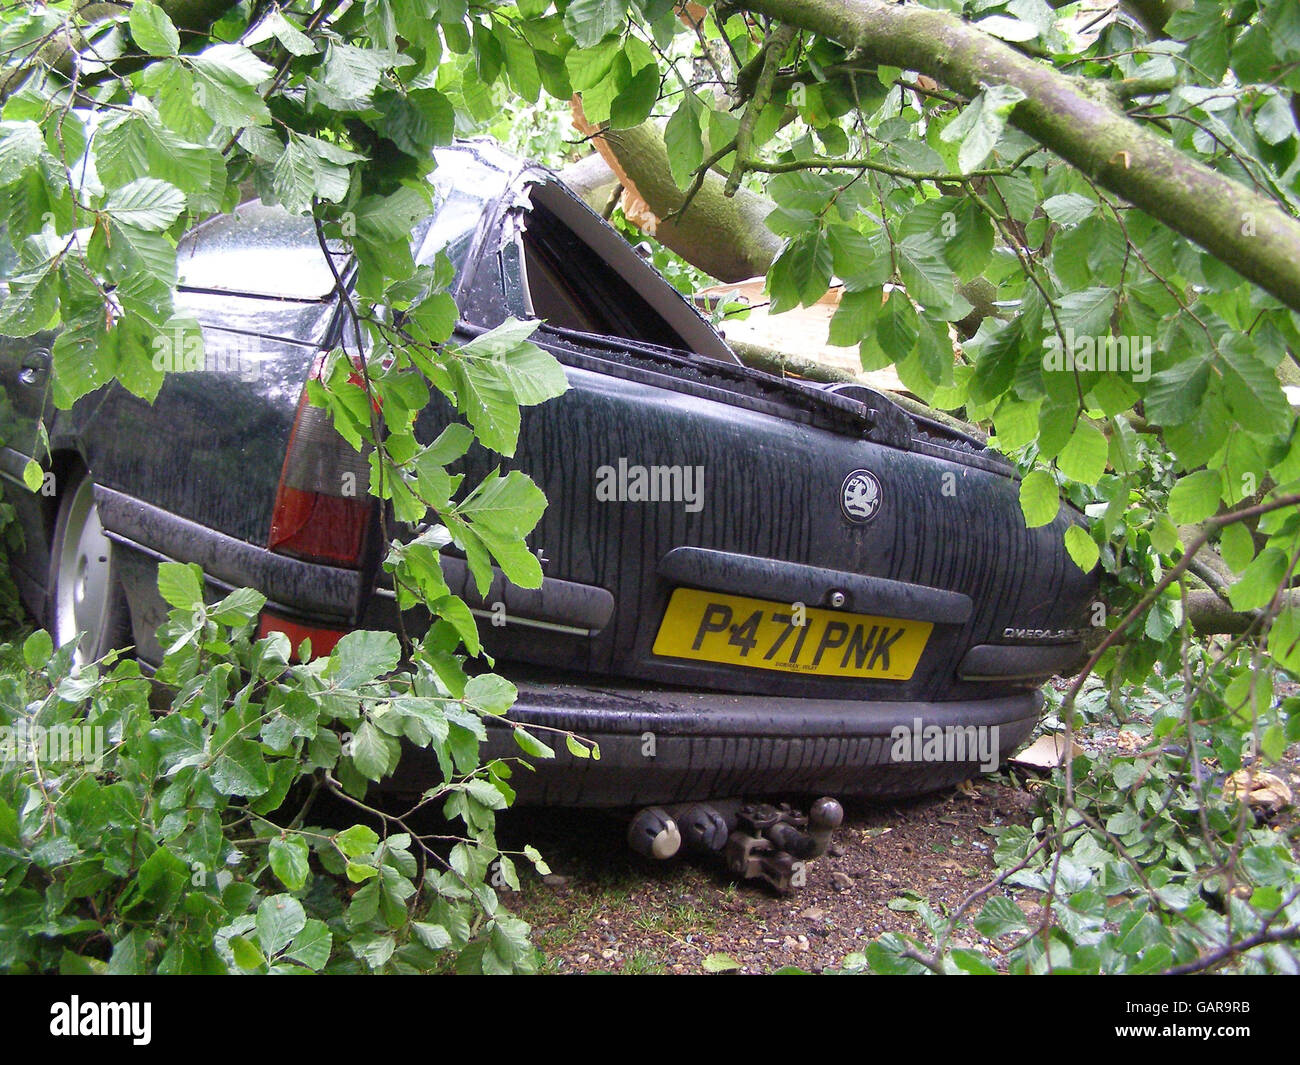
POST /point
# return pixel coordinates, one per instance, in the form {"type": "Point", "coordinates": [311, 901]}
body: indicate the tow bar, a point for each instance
{"type": "Point", "coordinates": [758, 841]}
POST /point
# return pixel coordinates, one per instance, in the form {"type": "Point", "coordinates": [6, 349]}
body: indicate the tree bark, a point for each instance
{"type": "Point", "coordinates": [1154, 14]}
{"type": "Point", "coordinates": [725, 236]}
{"type": "Point", "coordinates": [1078, 122]}
{"type": "Point", "coordinates": [188, 16]}
{"type": "Point", "coordinates": [592, 179]}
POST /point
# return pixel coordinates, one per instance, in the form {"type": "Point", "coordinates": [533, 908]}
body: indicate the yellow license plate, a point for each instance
{"type": "Point", "coordinates": [736, 631]}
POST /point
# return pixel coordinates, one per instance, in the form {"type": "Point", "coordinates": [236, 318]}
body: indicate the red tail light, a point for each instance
{"type": "Point", "coordinates": [323, 641]}
{"type": "Point", "coordinates": [322, 507]}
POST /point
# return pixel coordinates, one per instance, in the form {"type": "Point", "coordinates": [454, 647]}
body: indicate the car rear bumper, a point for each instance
{"type": "Point", "coordinates": [671, 746]}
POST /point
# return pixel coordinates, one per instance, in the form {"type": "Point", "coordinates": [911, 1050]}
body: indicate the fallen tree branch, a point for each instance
{"type": "Point", "coordinates": [769, 62]}
{"type": "Point", "coordinates": [1079, 122]}
{"type": "Point", "coordinates": [726, 237]}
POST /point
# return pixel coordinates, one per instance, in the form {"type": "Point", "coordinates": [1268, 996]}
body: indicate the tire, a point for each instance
{"type": "Point", "coordinates": [86, 596]}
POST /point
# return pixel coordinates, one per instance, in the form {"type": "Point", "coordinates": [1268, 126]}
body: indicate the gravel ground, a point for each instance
{"type": "Point", "coordinates": [605, 909]}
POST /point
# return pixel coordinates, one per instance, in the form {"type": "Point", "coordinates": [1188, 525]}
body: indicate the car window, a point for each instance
{"type": "Point", "coordinates": [466, 184]}
{"type": "Point", "coordinates": [578, 273]}
{"type": "Point", "coordinates": [258, 250]}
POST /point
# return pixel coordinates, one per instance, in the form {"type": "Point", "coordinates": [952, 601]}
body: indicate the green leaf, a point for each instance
{"type": "Point", "coordinates": [588, 66]}
{"type": "Point", "coordinates": [853, 318]}
{"type": "Point", "coordinates": [374, 950]}
{"type": "Point", "coordinates": [276, 25]}
{"type": "Point", "coordinates": [1237, 546]}
{"type": "Point", "coordinates": [279, 919]}
{"type": "Point", "coordinates": [927, 276]}
{"type": "Point", "coordinates": [351, 74]}
{"type": "Point", "coordinates": [858, 260]}
{"type": "Point", "coordinates": [1252, 390]}
{"type": "Point", "coordinates": [971, 961]}
{"type": "Point", "coordinates": [38, 648]}
{"type": "Point", "coordinates": [633, 104]}
{"type": "Point", "coordinates": [289, 861]}
{"type": "Point", "coordinates": [1038, 498]}
{"type": "Point", "coordinates": [308, 169]}
{"type": "Point", "coordinates": [1087, 313]}
{"type": "Point", "coordinates": [240, 606]}
{"type": "Point", "coordinates": [1008, 28]}
{"type": "Point", "coordinates": [227, 77]}
{"type": "Point", "coordinates": [533, 374]}
{"type": "Point", "coordinates": [1274, 122]}
{"type": "Point", "coordinates": [33, 475]}
{"type": "Point", "coordinates": [147, 204]}
{"type": "Point", "coordinates": [361, 657]}
{"type": "Point", "coordinates": [684, 139]}
{"type": "Point", "coordinates": [1259, 581]}
{"type": "Point", "coordinates": [181, 584]}
{"type": "Point", "coordinates": [359, 873]}
{"type": "Point", "coordinates": [1083, 458]}
{"type": "Point", "coordinates": [1284, 639]}
{"type": "Point", "coordinates": [589, 21]}
{"type": "Point", "coordinates": [433, 936]}
{"type": "Point", "coordinates": [491, 693]}
{"type": "Point", "coordinates": [312, 945]}
{"type": "Point", "coordinates": [897, 326]}
{"type": "Point", "coordinates": [1083, 549]}
{"type": "Point", "coordinates": [1068, 209]}
{"type": "Point", "coordinates": [1195, 497]}
{"type": "Point", "coordinates": [135, 144]}
{"type": "Point", "coordinates": [999, 917]}
{"type": "Point", "coordinates": [801, 273]}
{"type": "Point", "coordinates": [720, 963]}
{"type": "Point", "coordinates": [374, 753]}
{"type": "Point", "coordinates": [1174, 395]}
{"type": "Point", "coordinates": [239, 768]}
{"type": "Point", "coordinates": [21, 144]}
{"type": "Point", "coordinates": [968, 240]}
{"type": "Point", "coordinates": [508, 506]}
{"type": "Point", "coordinates": [485, 395]}
{"type": "Point", "coordinates": [531, 745]}
{"type": "Point", "coordinates": [246, 954]}
{"type": "Point", "coordinates": [981, 123]}
{"type": "Point", "coordinates": [357, 841]}
{"type": "Point", "coordinates": [152, 30]}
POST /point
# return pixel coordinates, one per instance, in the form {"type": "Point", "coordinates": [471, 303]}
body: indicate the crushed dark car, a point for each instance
{"type": "Point", "coordinates": [752, 585]}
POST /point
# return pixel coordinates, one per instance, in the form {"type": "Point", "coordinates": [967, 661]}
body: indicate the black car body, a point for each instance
{"type": "Point", "coordinates": [663, 626]}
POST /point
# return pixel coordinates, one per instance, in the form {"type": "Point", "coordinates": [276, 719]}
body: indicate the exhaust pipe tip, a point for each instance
{"type": "Point", "coordinates": [654, 834]}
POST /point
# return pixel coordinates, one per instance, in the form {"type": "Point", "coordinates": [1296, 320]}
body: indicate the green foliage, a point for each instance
{"type": "Point", "coordinates": [1125, 369]}
{"type": "Point", "coordinates": [132, 842]}
{"type": "Point", "coordinates": [1153, 863]}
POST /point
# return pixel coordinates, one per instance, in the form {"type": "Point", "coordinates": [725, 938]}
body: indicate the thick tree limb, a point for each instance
{"type": "Point", "coordinates": [724, 236]}
{"type": "Point", "coordinates": [592, 179]}
{"type": "Point", "coordinates": [57, 54]}
{"type": "Point", "coordinates": [1241, 228]}
{"type": "Point", "coordinates": [1153, 14]}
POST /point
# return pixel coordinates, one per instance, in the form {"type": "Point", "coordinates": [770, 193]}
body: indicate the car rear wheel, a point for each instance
{"type": "Point", "coordinates": [85, 594]}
